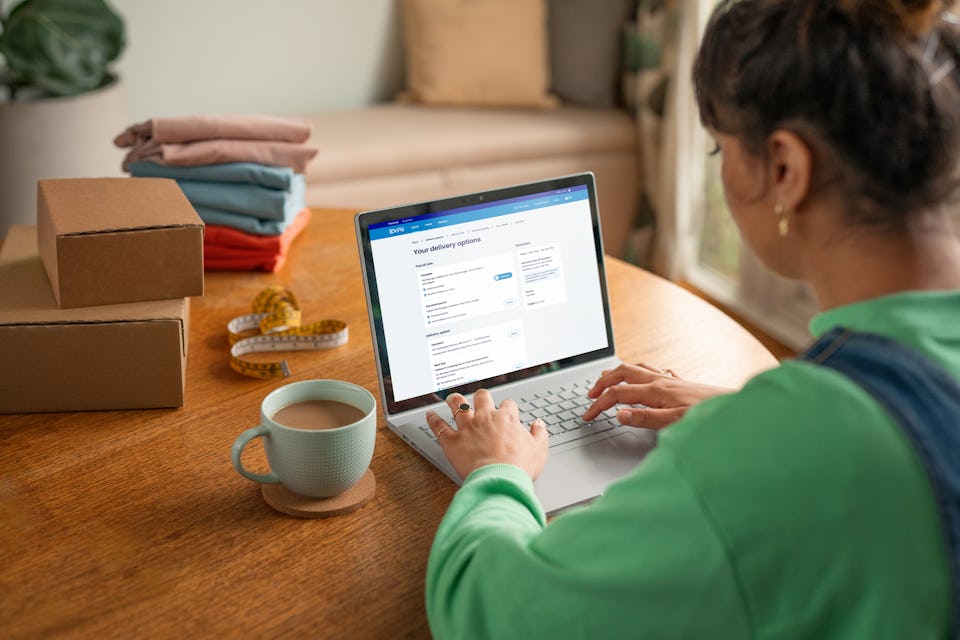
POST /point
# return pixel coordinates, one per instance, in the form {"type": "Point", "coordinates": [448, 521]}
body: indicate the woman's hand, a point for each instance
{"type": "Point", "coordinates": [488, 435]}
{"type": "Point", "coordinates": [666, 396]}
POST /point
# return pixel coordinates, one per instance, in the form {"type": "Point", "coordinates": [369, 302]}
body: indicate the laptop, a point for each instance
{"type": "Point", "coordinates": [503, 290]}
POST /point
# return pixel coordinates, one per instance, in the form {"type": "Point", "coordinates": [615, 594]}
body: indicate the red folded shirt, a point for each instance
{"type": "Point", "coordinates": [229, 249]}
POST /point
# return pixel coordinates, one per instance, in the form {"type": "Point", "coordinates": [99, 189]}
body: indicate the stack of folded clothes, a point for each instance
{"type": "Point", "coordinates": [242, 173]}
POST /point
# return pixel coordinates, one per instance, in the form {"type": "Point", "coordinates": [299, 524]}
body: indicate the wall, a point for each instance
{"type": "Point", "coordinates": [281, 57]}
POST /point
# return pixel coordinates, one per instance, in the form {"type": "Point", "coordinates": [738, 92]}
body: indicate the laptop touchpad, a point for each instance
{"type": "Point", "coordinates": [581, 474]}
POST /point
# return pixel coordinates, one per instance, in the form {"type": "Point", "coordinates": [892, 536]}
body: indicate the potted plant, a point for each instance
{"type": "Point", "coordinates": [61, 104]}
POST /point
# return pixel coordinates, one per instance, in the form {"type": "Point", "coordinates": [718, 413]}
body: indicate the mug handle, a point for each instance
{"type": "Point", "coordinates": [238, 445]}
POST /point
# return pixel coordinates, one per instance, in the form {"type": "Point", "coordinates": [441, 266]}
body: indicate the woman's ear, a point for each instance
{"type": "Point", "coordinates": [791, 161]}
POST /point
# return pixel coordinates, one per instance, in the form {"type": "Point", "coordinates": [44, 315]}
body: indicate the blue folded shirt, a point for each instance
{"type": "Point", "coordinates": [247, 199]}
{"type": "Point", "coordinates": [250, 224]}
{"type": "Point", "coordinates": [243, 172]}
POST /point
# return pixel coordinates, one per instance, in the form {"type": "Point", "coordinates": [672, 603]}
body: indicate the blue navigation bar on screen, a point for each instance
{"type": "Point", "coordinates": [438, 220]}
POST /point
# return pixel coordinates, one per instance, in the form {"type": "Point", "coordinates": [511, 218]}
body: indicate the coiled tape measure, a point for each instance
{"type": "Point", "coordinates": [275, 326]}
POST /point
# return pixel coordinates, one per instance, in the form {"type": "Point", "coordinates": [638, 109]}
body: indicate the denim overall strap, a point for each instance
{"type": "Point", "coordinates": [925, 400]}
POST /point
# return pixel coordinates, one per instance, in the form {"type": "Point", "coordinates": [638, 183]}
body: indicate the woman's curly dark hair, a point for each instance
{"type": "Point", "coordinates": [873, 86]}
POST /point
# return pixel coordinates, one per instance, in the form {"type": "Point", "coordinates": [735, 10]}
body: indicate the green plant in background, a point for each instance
{"type": "Point", "coordinates": [58, 47]}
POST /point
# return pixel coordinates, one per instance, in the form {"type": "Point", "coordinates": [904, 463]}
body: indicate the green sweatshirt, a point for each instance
{"type": "Point", "coordinates": [794, 508]}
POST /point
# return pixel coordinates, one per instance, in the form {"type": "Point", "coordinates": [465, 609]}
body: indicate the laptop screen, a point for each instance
{"type": "Point", "coordinates": [483, 289]}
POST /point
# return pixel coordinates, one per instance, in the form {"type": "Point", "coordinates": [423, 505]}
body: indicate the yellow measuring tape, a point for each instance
{"type": "Point", "coordinates": [275, 325]}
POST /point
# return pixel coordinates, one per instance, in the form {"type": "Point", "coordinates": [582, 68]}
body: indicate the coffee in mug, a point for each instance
{"type": "Point", "coordinates": [318, 436]}
{"type": "Point", "coordinates": [317, 414]}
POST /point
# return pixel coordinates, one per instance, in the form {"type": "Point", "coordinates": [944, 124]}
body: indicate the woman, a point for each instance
{"type": "Point", "coordinates": [796, 507]}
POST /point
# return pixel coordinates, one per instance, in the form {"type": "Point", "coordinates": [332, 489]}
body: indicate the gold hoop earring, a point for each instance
{"type": "Point", "coordinates": [783, 220]}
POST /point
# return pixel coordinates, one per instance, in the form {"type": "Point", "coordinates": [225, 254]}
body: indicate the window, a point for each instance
{"type": "Point", "coordinates": [713, 258]}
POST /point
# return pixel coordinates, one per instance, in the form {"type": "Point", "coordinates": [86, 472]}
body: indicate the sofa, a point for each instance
{"type": "Point", "coordinates": [392, 154]}
{"type": "Point", "coordinates": [464, 123]}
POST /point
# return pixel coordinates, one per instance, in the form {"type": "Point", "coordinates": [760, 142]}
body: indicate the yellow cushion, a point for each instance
{"type": "Point", "coordinates": [477, 52]}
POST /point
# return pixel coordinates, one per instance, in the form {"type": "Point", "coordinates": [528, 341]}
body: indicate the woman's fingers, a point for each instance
{"type": "Point", "coordinates": [662, 392]}
{"type": "Point", "coordinates": [538, 429]}
{"type": "Point", "coordinates": [607, 379]}
{"type": "Point", "coordinates": [485, 434]}
{"type": "Point", "coordinates": [455, 401]}
{"type": "Point", "coordinates": [623, 394]}
{"type": "Point", "coordinates": [632, 373]}
{"type": "Point", "coordinates": [605, 400]}
{"type": "Point", "coordinates": [510, 406]}
{"type": "Point", "coordinates": [656, 370]}
{"type": "Point", "coordinates": [482, 401]}
{"type": "Point", "coordinates": [439, 426]}
{"type": "Point", "coordinates": [648, 417]}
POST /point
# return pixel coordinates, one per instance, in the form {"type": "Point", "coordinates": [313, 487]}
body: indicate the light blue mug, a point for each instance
{"type": "Point", "coordinates": [319, 463]}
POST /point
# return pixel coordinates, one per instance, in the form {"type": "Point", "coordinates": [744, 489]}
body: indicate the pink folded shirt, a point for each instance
{"type": "Point", "coordinates": [212, 139]}
{"type": "Point", "coordinates": [189, 154]}
{"type": "Point", "coordinates": [215, 127]}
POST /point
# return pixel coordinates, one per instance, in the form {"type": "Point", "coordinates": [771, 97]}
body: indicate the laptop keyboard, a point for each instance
{"type": "Point", "coordinates": [562, 411]}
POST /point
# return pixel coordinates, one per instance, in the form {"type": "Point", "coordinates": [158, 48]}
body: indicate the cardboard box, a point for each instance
{"type": "Point", "coordinates": [115, 240]}
{"type": "Point", "coordinates": [124, 356]}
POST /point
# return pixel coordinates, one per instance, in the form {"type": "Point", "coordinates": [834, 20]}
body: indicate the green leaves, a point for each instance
{"type": "Point", "coordinates": [59, 47]}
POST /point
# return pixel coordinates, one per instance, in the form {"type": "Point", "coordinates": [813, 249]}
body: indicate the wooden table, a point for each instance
{"type": "Point", "coordinates": [134, 523]}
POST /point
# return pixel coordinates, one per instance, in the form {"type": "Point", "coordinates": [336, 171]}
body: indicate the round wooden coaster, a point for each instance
{"type": "Point", "coordinates": [292, 504]}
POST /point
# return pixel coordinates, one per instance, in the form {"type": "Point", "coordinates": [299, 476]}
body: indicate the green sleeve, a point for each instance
{"type": "Point", "coordinates": [640, 562]}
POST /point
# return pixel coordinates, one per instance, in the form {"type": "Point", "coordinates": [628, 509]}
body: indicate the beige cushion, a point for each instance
{"type": "Point", "coordinates": [585, 50]}
{"type": "Point", "coordinates": [477, 52]}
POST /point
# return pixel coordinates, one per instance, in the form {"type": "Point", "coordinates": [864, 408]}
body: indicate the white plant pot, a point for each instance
{"type": "Point", "coordinates": [56, 138]}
